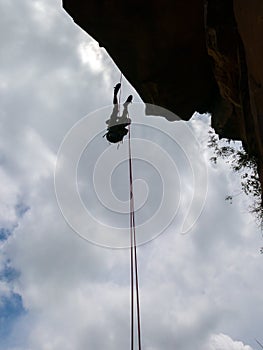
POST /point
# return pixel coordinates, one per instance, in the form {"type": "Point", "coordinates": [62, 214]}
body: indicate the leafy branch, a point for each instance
{"type": "Point", "coordinates": [240, 162]}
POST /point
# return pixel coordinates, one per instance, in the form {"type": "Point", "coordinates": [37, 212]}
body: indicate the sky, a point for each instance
{"type": "Point", "coordinates": [64, 262]}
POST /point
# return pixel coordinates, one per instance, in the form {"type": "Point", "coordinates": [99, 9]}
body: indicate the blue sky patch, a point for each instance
{"type": "Point", "coordinates": [8, 273]}
{"type": "Point", "coordinates": [21, 209]}
{"type": "Point", "coordinates": [11, 308]}
{"type": "Point", "coordinates": [4, 233]}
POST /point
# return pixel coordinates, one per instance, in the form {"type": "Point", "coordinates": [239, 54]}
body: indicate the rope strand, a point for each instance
{"type": "Point", "coordinates": [131, 243]}
{"type": "Point", "coordinates": [134, 264]}
{"type": "Point", "coordinates": [133, 249]}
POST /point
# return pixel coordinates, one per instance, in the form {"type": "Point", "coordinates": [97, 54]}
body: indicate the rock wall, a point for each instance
{"type": "Point", "coordinates": [249, 17]}
{"type": "Point", "coordinates": [160, 49]}
{"type": "Point", "coordinates": [187, 56]}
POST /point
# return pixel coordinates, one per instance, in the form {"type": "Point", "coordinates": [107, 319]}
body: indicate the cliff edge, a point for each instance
{"type": "Point", "coordinates": [187, 56]}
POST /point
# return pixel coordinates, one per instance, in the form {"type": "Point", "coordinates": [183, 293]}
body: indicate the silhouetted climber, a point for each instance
{"type": "Point", "coordinates": [116, 124]}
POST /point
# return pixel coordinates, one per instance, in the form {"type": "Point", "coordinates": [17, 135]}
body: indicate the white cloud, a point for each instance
{"type": "Point", "coordinates": [77, 294]}
{"type": "Point", "coordinates": [91, 54]}
{"type": "Point", "coordinates": [224, 342]}
{"type": "Point", "coordinates": [9, 194]}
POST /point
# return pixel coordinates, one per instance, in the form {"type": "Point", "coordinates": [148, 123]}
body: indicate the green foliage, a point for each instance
{"type": "Point", "coordinates": [241, 162]}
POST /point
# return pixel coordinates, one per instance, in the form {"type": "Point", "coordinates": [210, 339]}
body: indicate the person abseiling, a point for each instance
{"type": "Point", "coordinates": [117, 124]}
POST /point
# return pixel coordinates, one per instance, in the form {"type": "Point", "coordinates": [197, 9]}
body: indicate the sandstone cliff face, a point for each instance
{"type": "Point", "coordinates": [187, 56]}
{"type": "Point", "coordinates": [249, 17]}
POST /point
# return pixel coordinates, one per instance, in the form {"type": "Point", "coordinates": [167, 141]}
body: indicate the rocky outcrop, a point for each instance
{"type": "Point", "coordinates": [187, 56]}
{"type": "Point", "coordinates": [159, 48]}
{"type": "Point", "coordinates": [234, 32]}
{"type": "Point", "coordinates": [249, 17]}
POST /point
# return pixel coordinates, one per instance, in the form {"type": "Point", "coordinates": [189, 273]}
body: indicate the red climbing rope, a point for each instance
{"type": "Point", "coordinates": [134, 264]}
{"type": "Point", "coordinates": [133, 250]}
